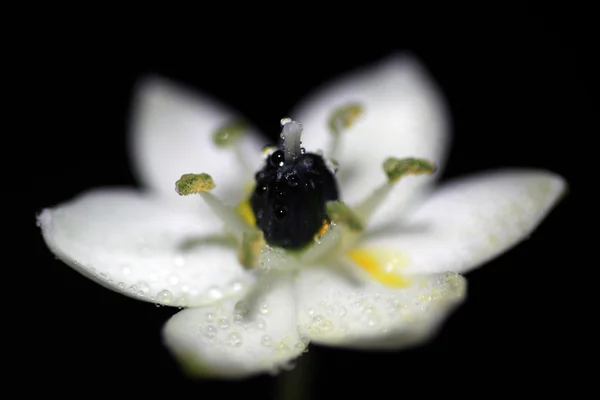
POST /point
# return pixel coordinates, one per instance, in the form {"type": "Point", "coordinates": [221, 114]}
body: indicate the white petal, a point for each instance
{"type": "Point", "coordinates": [217, 341]}
{"type": "Point", "coordinates": [135, 245]}
{"type": "Point", "coordinates": [468, 222]}
{"type": "Point", "coordinates": [172, 131]}
{"type": "Point", "coordinates": [342, 310]}
{"type": "Point", "coordinates": [404, 116]}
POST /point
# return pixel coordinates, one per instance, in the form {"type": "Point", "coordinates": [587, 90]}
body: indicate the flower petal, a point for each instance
{"type": "Point", "coordinates": [342, 310]}
{"type": "Point", "coordinates": [172, 134]}
{"type": "Point", "coordinates": [404, 116]}
{"type": "Point", "coordinates": [468, 222]}
{"type": "Point", "coordinates": [137, 246]}
{"type": "Point", "coordinates": [217, 341]}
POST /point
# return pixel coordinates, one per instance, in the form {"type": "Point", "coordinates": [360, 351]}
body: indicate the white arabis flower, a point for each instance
{"type": "Point", "coordinates": [287, 250]}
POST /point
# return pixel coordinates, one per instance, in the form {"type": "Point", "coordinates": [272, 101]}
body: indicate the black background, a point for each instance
{"type": "Point", "coordinates": [514, 80]}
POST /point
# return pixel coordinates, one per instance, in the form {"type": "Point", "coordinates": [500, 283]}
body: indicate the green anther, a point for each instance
{"type": "Point", "coordinates": [396, 168]}
{"type": "Point", "coordinates": [229, 134]}
{"type": "Point", "coordinates": [252, 243]}
{"type": "Point", "coordinates": [341, 213]}
{"type": "Point", "coordinates": [194, 183]}
{"type": "Point", "coordinates": [344, 117]}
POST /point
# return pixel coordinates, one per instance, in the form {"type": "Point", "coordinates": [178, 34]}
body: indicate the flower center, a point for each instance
{"type": "Point", "coordinates": [294, 203]}
{"type": "Point", "coordinates": [291, 192]}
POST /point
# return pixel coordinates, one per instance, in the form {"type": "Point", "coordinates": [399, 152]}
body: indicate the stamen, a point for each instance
{"type": "Point", "coordinates": [229, 136]}
{"type": "Point", "coordinates": [341, 213]}
{"type": "Point", "coordinates": [252, 243]}
{"type": "Point", "coordinates": [194, 183]}
{"type": "Point", "coordinates": [290, 139]}
{"type": "Point", "coordinates": [395, 169]}
{"type": "Point", "coordinates": [328, 245]}
{"type": "Point", "coordinates": [341, 119]}
{"type": "Point", "coordinates": [244, 210]}
{"type": "Point", "coordinates": [202, 184]}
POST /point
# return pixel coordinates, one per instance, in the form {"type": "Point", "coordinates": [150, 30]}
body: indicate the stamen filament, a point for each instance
{"type": "Point", "coordinates": [202, 184]}
{"type": "Point", "coordinates": [226, 214]}
{"type": "Point", "coordinates": [341, 213]}
{"type": "Point", "coordinates": [252, 243]}
{"type": "Point", "coordinates": [395, 169]}
{"type": "Point", "coordinates": [229, 135]}
{"type": "Point", "coordinates": [366, 208]}
{"type": "Point", "coordinates": [341, 119]}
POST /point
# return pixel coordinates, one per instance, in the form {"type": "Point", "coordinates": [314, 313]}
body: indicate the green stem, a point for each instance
{"type": "Point", "coordinates": [296, 384]}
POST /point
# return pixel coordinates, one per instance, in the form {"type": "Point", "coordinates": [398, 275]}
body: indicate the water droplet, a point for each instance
{"type": "Point", "coordinates": [343, 311]}
{"type": "Point", "coordinates": [103, 275]}
{"type": "Point", "coordinates": [234, 339]}
{"type": "Point", "coordinates": [179, 261]}
{"type": "Point", "coordinates": [333, 166]}
{"type": "Point", "coordinates": [173, 280]}
{"type": "Point", "coordinates": [215, 293]}
{"type": "Point", "coordinates": [266, 341]}
{"type": "Point", "coordinates": [210, 317]}
{"type": "Point", "coordinates": [238, 319]}
{"type": "Point", "coordinates": [261, 324]}
{"type": "Point", "coordinates": [143, 286]}
{"type": "Point", "coordinates": [300, 346]}
{"type": "Point", "coordinates": [264, 308]}
{"type": "Point", "coordinates": [140, 293]}
{"type": "Point", "coordinates": [236, 286]}
{"type": "Point", "coordinates": [133, 288]}
{"type": "Point", "coordinates": [121, 285]}
{"type": "Point", "coordinates": [223, 322]}
{"type": "Point", "coordinates": [242, 308]}
{"type": "Point", "coordinates": [210, 331]}
{"type": "Point", "coordinates": [164, 297]}
{"type": "Point", "coordinates": [181, 302]}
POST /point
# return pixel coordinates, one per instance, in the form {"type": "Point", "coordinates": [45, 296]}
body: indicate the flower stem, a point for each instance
{"type": "Point", "coordinates": [297, 383]}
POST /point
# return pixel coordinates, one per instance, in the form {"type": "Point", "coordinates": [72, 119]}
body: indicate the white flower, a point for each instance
{"type": "Point", "coordinates": [391, 288]}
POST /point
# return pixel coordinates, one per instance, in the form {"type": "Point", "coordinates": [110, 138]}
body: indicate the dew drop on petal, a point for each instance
{"type": "Point", "coordinates": [178, 261]}
{"type": "Point", "coordinates": [266, 341]}
{"type": "Point", "coordinates": [210, 331]}
{"type": "Point", "coordinates": [215, 293]}
{"type": "Point", "coordinates": [173, 280]}
{"type": "Point", "coordinates": [242, 308]}
{"type": "Point", "coordinates": [261, 324]}
{"type": "Point", "coordinates": [234, 339]}
{"type": "Point", "coordinates": [238, 319]}
{"type": "Point", "coordinates": [182, 302]}
{"type": "Point", "coordinates": [236, 286]}
{"type": "Point", "coordinates": [164, 297]}
{"type": "Point", "coordinates": [223, 322]}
